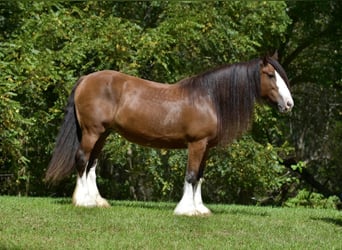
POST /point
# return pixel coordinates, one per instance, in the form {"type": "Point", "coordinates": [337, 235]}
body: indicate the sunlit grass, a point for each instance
{"type": "Point", "coordinates": [46, 223]}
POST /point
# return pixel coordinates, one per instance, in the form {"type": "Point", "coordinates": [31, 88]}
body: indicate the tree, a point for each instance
{"type": "Point", "coordinates": [311, 53]}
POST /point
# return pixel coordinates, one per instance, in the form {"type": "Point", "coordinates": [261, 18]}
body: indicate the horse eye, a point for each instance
{"type": "Point", "coordinates": [270, 75]}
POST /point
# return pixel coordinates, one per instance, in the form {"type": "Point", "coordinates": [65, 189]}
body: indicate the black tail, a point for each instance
{"type": "Point", "coordinates": [67, 143]}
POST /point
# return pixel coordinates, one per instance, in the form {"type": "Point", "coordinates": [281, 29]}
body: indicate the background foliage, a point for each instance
{"type": "Point", "coordinates": [46, 46]}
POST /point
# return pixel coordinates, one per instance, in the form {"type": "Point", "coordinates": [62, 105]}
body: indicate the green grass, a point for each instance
{"type": "Point", "coordinates": [46, 223]}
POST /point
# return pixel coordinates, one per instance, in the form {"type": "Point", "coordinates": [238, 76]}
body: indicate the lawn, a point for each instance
{"type": "Point", "coordinates": [47, 223]}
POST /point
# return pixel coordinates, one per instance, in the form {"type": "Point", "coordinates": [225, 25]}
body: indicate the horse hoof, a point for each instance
{"type": "Point", "coordinates": [193, 213]}
{"type": "Point", "coordinates": [100, 202]}
{"type": "Point", "coordinates": [203, 212]}
{"type": "Point", "coordinates": [190, 213]}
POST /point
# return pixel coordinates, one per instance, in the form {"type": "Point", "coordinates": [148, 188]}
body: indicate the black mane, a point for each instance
{"type": "Point", "coordinates": [279, 69]}
{"type": "Point", "coordinates": [233, 89]}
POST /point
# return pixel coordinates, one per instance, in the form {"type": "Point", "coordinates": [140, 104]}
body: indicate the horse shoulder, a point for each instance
{"type": "Point", "coordinates": [201, 120]}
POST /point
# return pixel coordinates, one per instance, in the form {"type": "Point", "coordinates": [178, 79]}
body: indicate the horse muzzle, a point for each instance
{"type": "Point", "coordinates": [286, 107]}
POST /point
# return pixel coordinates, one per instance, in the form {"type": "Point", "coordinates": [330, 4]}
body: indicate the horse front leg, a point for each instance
{"type": "Point", "coordinates": [191, 203]}
{"type": "Point", "coordinates": [200, 207]}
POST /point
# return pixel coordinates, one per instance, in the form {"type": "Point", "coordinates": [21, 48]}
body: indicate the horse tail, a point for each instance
{"type": "Point", "coordinates": [67, 143]}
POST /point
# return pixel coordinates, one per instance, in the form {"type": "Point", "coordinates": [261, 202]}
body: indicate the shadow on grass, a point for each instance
{"type": "Point", "coordinates": [142, 204]}
{"type": "Point", "coordinates": [334, 221]}
{"type": "Point", "coordinates": [9, 247]}
{"type": "Point", "coordinates": [170, 206]}
{"type": "Point", "coordinates": [239, 211]}
{"type": "Point", "coordinates": [216, 209]}
{"type": "Point", "coordinates": [122, 203]}
{"type": "Point", "coordinates": [63, 201]}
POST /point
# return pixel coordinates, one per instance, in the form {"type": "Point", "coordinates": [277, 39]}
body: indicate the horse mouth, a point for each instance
{"type": "Point", "coordinates": [281, 107]}
{"type": "Point", "coordinates": [284, 109]}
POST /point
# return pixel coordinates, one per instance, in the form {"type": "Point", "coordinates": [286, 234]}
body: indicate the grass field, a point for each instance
{"type": "Point", "coordinates": [46, 223]}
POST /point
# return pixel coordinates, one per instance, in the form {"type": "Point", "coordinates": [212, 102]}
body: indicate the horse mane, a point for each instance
{"type": "Point", "coordinates": [279, 69]}
{"type": "Point", "coordinates": [233, 90]}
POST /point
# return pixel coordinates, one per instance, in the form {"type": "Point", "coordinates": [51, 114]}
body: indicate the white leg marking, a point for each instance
{"type": "Point", "coordinates": [186, 205]}
{"type": "Point", "coordinates": [191, 202]}
{"type": "Point", "coordinates": [201, 209]}
{"type": "Point", "coordinates": [93, 190]}
{"type": "Point", "coordinates": [81, 194]}
{"type": "Point", "coordinates": [86, 193]}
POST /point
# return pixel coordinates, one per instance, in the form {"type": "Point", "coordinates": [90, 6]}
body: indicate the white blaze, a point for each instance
{"type": "Point", "coordinates": [284, 92]}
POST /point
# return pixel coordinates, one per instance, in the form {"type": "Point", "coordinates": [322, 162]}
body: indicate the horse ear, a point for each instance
{"type": "Point", "coordinates": [264, 61]}
{"type": "Point", "coordinates": [275, 55]}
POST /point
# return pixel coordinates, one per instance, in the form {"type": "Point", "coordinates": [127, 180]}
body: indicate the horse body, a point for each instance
{"type": "Point", "coordinates": [196, 113]}
{"type": "Point", "coordinates": [144, 112]}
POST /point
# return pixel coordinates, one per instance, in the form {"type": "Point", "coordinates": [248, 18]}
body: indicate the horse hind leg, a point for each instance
{"type": "Point", "coordinates": [81, 197]}
{"type": "Point", "coordinates": [94, 193]}
{"type": "Point", "coordinates": [86, 192]}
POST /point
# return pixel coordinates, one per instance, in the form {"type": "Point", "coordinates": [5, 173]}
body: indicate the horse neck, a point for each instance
{"type": "Point", "coordinates": [233, 90]}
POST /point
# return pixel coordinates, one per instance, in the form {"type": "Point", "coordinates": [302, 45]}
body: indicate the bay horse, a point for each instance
{"type": "Point", "coordinates": [197, 113]}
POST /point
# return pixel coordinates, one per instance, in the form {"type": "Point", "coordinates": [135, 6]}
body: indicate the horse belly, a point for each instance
{"type": "Point", "coordinates": [154, 142]}
{"type": "Point", "coordinates": [157, 128]}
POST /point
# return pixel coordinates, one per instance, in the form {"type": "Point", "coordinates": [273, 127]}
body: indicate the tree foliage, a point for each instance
{"type": "Point", "coordinates": [312, 56]}
{"type": "Point", "coordinates": [46, 46]}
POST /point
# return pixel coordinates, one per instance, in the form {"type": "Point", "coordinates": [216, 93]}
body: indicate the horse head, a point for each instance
{"type": "Point", "coordinates": [274, 84]}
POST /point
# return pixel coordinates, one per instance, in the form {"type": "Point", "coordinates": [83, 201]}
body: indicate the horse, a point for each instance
{"type": "Point", "coordinates": [200, 112]}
